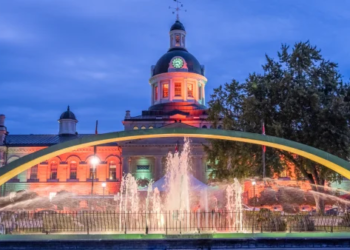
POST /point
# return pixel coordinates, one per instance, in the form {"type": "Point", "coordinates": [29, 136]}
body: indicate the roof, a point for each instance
{"type": "Point", "coordinates": [163, 63]}
{"type": "Point", "coordinates": [68, 115]}
{"type": "Point", "coordinates": [177, 26]}
{"type": "Point", "coordinates": [42, 140]}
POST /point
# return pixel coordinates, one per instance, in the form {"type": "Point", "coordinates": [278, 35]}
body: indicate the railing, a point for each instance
{"type": "Point", "coordinates": [174, 222]}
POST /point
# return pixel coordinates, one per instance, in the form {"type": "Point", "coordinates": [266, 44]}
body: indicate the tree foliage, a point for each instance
{"type": "Point", "coordinates": [300, 97]}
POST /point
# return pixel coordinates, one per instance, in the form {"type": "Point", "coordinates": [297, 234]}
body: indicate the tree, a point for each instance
{"type": "Point", "coordinates": [300, 97]}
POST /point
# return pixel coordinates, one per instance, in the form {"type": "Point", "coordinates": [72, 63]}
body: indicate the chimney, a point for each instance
{"type": "Point", "coordinates": [127, 114]}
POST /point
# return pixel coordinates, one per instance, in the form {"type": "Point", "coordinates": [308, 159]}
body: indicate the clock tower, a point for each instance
{"type": "Point", "coordinates": [177, 87]}
{"type": "Point", "coordinates": [178, 77]}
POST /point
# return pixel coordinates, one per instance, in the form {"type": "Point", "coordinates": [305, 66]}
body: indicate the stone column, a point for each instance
{"type": "Point", "coordinates": [158, 167]}
{"type": "Point", "coordinates": [199, 168]}
{"type": "Point", "coordinates": [125, 166]}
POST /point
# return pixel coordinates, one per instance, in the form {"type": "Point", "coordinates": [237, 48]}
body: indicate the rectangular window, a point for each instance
{"type": "Point", "coordinates": [92, 172]}
{"type": "Point", "coordinates": [142, 167]}
{"type": "Point", "coordinates": [165, 90]}
{"type": "Point", "coordinates": [53, 171]}
{"type": "Point", "coordinates": [200, 92]}
{"type": "Point", "coordinates": [34, 173]}
{"type": "Point", "coordinates": [189, 89]}
{"type": "Point", "coordinates": [178, 89]}
{"type": "Point", "coordinates": [112, 171]}
{"type": "Point", "coordinates": [73, 171]}
{"type": "Point", "coordinates": [156, 93]}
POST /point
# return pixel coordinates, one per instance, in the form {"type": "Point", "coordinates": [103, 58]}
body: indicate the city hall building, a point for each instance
{"type": "Point", "coordinates": [177, 92]}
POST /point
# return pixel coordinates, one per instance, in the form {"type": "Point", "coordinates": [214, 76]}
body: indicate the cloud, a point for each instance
{"type": "Point", "coordinates": [96, 55]}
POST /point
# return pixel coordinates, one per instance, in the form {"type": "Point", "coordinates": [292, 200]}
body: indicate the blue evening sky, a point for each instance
{"type": "Point", "coordinates": [95, 55]}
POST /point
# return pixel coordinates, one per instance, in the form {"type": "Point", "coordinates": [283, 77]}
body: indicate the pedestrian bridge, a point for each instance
{"type": "Point", "coordinates": [333, 162]}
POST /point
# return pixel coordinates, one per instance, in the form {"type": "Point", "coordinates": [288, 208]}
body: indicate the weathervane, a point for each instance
{"type": "Point", "coordinates": [178, 8]}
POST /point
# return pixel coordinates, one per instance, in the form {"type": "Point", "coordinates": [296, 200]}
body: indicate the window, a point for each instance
{"type": "Point", "coordinates": [92, 174]}
{"type": "Point", "coordinates": [136, 128]}
{"type": "Point", "coordinates": [73, 170]}
{"type": "Point", "coordinates": [34, 173]}
{"type": "Point", "coordinates": [177, 39]}
{"type": "Point", "coordinates": [178, 89]}
{"type": "Point", "coordinates": [156, 93]}
{"type": "Point", "coordinates": [150, 127]}
{"type": "Point", "coordinates": [165, 90]}
{"type": "Point", "coordinates": [200, 92]}
{"type": "Point", "coordinates": [143, 127]}
{"type": "Point", "coordinates": [53, 171]}
{"type": "Point", "coordinates": [190, 90]}
{"type": "Point", "coordinates": [142, 167]}
{"type": "Point", "coordinates": [112, 171]}
{"type": "Point", "coordinates": [204, 126]}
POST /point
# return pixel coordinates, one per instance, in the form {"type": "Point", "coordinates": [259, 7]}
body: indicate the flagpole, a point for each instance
{"type": "Point", "coordinates": [263, 153]}
{"type": "Point", "coordinates": [93, 169]}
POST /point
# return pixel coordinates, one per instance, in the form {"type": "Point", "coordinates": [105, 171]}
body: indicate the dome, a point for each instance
{"type": "Point", "coordinates": [68, 115]}
{"type": "Point", "coordinates": [163, 63]}
{"type": "Point", "coordinates": [177, 26]}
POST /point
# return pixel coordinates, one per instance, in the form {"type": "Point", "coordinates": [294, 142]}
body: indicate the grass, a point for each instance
{"type": "Point", "coordinates": [85, 237]}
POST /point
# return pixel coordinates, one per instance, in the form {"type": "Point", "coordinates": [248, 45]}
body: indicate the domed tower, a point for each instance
{"type": "Point", "coordinates": [67, 123]}
{"type": "Point", "coordinates": [177, 89]}
{"type": "Point", "coordinates": [178, 77]}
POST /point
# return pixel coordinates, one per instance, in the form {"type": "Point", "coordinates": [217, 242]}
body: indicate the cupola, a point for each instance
{"type": "Point", "coordinates": [177, 35]}
{"type": "Point", "coordinates": [67, 123]}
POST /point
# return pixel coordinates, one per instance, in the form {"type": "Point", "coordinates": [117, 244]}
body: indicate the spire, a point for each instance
{"type": "Point", "coordinates": [178, 8]}
{"type": "Point", "coordinates": [68, 108]}
{"type": "Point", "coordinates": [177, 30]}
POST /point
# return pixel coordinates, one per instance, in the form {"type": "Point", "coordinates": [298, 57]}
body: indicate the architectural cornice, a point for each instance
{"type": "Point", "coordinates": [12, 150]}
{"type": "Point", "coordinates": [173, 75]}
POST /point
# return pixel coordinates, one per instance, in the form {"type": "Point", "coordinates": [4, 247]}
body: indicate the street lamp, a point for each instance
{"type": "Point", "coordinates": [103, 187]}
{"type": "Point", "coordinates": [254, 184]}
{"type": "Point", "coordinates": [94, 162]}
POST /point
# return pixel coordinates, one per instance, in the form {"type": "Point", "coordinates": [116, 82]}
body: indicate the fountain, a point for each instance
{"type": "Point", "coordinates": [179, 198]}
{"type": "Point", "coordinates": [182, 205]}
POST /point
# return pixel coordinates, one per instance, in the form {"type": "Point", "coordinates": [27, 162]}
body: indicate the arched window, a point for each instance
{"type": "Point", "coordinates": [112, 171]}
{"type": "Point", "coordinates": [34, 173]}
{"type": "Point", "coordinates": [92, 174]}
{"type": "Point", "coordinates": [53, 171]}
{"type": "Point", "coordinates": [136, 128]}
{"type": "Point", "coordinates": [150, 127]}
{"type": "Point", "coordinates": [73, 170]}
{"type": "Point", "coordinates": [204, 126]}
{"type": "Point", "coordinates": [143, 127]}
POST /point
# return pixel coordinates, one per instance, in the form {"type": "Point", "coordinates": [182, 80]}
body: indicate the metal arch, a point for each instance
{"type": "Point", "coordinates": [333, 162]}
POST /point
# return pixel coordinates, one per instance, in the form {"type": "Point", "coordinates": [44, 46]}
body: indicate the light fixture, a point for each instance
{"type": "Point", "coordinates": [253, 183]}
{"type": "Point", "coordinates": [104, 184]}
{"type": "Point", "coordinates": [94, 160]}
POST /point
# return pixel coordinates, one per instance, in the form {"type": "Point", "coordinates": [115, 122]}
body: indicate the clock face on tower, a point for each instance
{"type": "Point", "coordinates": [178, 63]}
